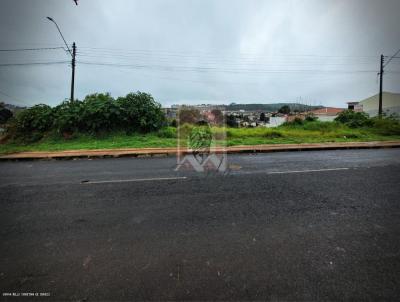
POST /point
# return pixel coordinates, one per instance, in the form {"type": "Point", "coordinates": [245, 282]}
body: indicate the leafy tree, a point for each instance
{"type": "Point", "coordinates": [262, 117]}
{"type": "Point", "coordinates": [285, 109]}
{"type": "Point", "coordinates": [5, 114]}
{"type": "Point", "coordinates": [189, 115]}
{"type": "Point", "coordinates": [218, 116]}
{"type": "Point", "coordinates": [140, 112]}
{"type": "Point", "coordinates": [174, 123]}
{"type": "Point", "coordinates": [231, 121]}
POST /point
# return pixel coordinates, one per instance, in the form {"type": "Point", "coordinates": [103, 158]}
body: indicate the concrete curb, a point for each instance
{"type": "Point", "coordinates": [142, 152]}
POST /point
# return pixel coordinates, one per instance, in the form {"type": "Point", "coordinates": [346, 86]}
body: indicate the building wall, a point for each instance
{"type": "Point", "coordinates": [275, 121]}
{"type": "Point", "coordinates": [390, 104]}
{"type": "Point", "coordinates": [326, 118]}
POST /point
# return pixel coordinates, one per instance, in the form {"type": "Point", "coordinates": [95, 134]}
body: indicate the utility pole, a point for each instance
{"type": "Point", "coordinates": [383, 65]}
{"type": "Point", "coordinates": [380, 86]}
{"type": "Point", "coordinates": [73, 71]}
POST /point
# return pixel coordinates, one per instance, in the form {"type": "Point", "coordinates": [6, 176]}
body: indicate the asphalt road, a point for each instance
{"type": "Point", "coordinates": [321, 225]}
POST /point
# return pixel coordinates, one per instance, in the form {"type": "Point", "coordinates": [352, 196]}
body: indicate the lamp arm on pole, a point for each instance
{"type": "Point", "coordinates": [62, 36]}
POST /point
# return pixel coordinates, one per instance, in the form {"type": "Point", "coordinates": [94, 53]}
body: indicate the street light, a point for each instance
{"type": "Point", "coordinates": [65, 42]}
{"type": "Point", "coordinates": [72, 53]}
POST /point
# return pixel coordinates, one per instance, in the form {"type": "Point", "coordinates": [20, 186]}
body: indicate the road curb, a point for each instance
{"type": "Point", "coordinates": [148, 152]}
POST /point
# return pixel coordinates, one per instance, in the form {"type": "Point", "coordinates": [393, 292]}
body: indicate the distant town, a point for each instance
{"type": "Point", "coordinates": [274, 115]}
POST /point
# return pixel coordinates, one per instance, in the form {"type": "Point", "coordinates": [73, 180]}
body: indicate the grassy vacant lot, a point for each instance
{"type": "Point", "coordinates": [312, 132]}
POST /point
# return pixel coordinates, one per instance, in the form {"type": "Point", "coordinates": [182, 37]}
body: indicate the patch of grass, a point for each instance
{"type": "Point", "coordinates": [81, 142]}
{"type": "Point", "coordinates": [309, 132]}
{"type": "Point", "coordinates": [232, 133]}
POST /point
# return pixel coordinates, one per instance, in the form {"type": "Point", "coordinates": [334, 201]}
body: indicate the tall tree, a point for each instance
{"type": "Point", "coordinates": [5, 114]}
{"type": "Point", "coordinates": [285, 109]}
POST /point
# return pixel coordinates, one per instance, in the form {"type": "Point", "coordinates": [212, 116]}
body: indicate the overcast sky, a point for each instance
{"type": "Point", "coordinates": [201, 51]}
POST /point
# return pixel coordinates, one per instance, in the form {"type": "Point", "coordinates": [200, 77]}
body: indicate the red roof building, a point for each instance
{"type": "Point", "coordinates": [327, 111]}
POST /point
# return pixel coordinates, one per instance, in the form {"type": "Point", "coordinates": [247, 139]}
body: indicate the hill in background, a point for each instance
{"type": "Point", "coordinates": [13, 108]}
{"type": "Point", "coordinates": [270, 107]}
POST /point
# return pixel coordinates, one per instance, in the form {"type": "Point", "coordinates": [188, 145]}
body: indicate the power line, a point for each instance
{"type": "Point", "coordinates": [397, 52]}
{"type": "Point", "coordinates": [32, 63]}
{"type": "Point", "coordinates": [14, 98]}
{"type": "Point", "coordinates": [222, 61]}
{"type": "Point", "coordinates": [163, 53]}
{"type": "Point", "coordinates": [227, 58]}
{"type": "Point", "coordinates": [166, 52]}
{"type": "Point", "coordinates": [32, 49]}
{"type": "Point", "coordinates": [124, 58]}
{"type": "Point", "coordinates": [214, 69]}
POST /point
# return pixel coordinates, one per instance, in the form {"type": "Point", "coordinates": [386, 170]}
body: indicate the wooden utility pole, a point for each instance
{"type": "Point", "coordinates": [73, 71]}
{"type": "Point", "coordinates": [383, 65]}
{"type": "Point", "coordinates": [380, 86]}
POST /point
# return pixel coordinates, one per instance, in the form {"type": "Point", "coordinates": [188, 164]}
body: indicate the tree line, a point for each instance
{"type": "Point", "coordinates": [99, 112]}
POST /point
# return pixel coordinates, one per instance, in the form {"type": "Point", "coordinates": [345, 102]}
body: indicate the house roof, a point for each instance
{"type": "Point", "coordinates": [327, 111]}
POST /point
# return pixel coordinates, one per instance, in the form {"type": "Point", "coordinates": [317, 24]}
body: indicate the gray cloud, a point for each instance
{"type": "Point", "coordinates": [197, 51]}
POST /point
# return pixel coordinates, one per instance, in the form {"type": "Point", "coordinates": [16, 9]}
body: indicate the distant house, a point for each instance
{"type": "Point", "coordinates": [390, 104]}
{"type": "Point", "coordinates": [355, 106]}
{"type": "Point", "coordinates": [171, 113]}
{"type": "Point", "coordinates": [326, 114]}
{"type": "Point", "coordinates": [275, 121]}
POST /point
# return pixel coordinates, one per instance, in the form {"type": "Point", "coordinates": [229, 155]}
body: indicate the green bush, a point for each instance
{"type": "Point", "coordinates": [68, 117]}
{"type": "Point", "coordinates": [97, 114]}
{"type": "Point", "coordinates": [311, 118]}
{"type": "Point", "coordinates": [32, 123]}
{"type": "Point", "coordinates": [231, 121]}
{"type": "Point", "coordinates": [272, 134]}
{"type": "Point", "coordinates": [200, 138]}
{"type": "Point", "coordinates": [354, 119]}
{"type": "Point", "coordinates": [386, 125]}
{"type": "Point", "coordinates": [100, 113]}
{"type": "Point", "coordinates": [173, 123]}
{"type": "Point", "coordinates": [296, 122]}
{"type": "Point", "coordinates": [167, 132]}
{"type": "Point", "coordinates": [140, 112]}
